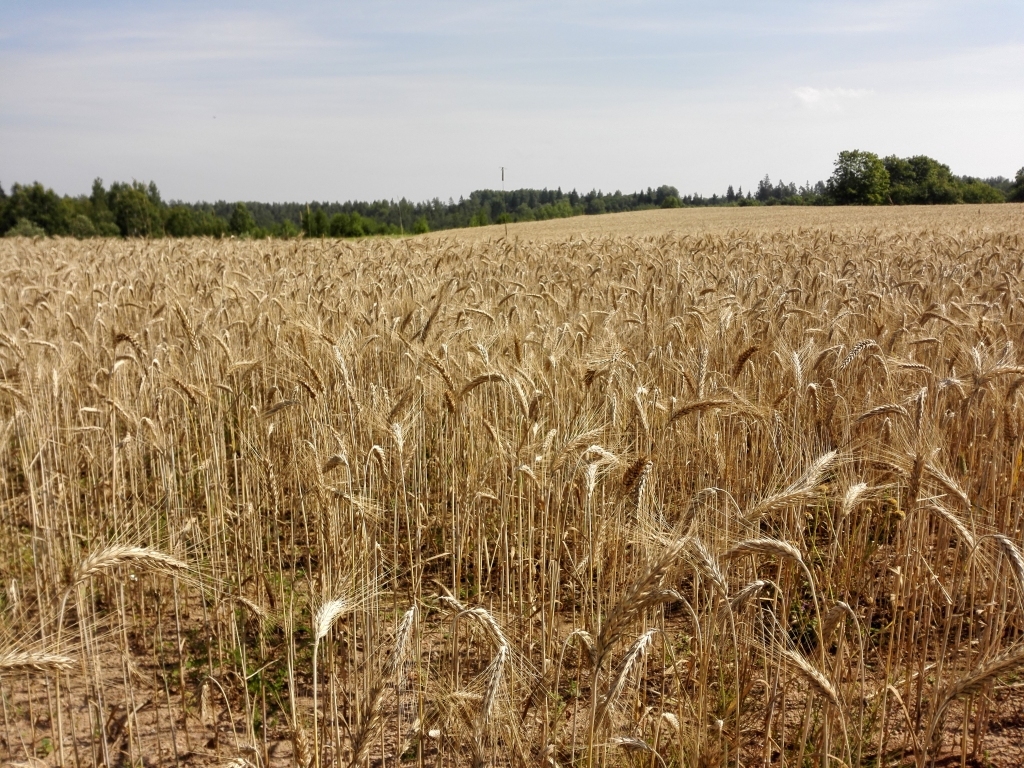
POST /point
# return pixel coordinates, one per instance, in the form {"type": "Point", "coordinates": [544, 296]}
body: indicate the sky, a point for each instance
{"type": "Point", "coordinates": [388, 99]}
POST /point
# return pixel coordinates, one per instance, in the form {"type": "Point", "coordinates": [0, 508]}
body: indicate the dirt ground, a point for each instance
{"type": "Point", "coordinates": [172, 727]}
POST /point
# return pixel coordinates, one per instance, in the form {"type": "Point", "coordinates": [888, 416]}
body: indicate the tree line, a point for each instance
{"type": "Point", "coordinates": [137, 209]}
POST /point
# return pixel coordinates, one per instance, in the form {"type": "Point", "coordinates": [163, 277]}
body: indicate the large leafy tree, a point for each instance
{"type": "Point", "coordinates": [136, 208]}
{"type": "Point", "coordinates": [920, 180]}
{"type": "Point", "coordinates": [100, 213]}
{"type": "Point", "coordinates": [38, 205]}
{"type": "Point", "coordinates": [241, 221]}
{"type": "Point", "coordinates": [208, 223]}
{"type": "Point", "coordinates": [859, 178]}
{"type": "Point", "coordinates": [315, 223]}
{"type": "Point", "coordinates": [1017, 193]}
{"type": "Point", "coordinates": [977, 191]}
{"type": "Point", "coordinates": [179, 222]}
{"type": "Point", "coordinates": [349, 225]}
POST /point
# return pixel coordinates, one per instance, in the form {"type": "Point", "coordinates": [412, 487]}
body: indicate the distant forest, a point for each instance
{"type": "Point", "coordinates": [137, 210]}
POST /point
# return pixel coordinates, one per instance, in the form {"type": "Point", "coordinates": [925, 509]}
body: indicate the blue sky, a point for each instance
{"type": "Point", "coordinates": [366, 100]}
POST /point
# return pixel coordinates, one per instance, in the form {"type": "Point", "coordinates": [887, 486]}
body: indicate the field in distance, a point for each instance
{"type": "Point", "coordinates": [1009, 217]}
{"type": "Point", "coordinates": [679, 488]}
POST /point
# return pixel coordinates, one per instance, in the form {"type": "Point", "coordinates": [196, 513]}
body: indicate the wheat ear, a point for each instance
{"type": "Point", "coordinates": [486, 620]}
{"type": "Point", "coordinates": [697, 406]}
{"type": "Point", "coordinates": [373, 718]}
{"type": "Point", "coordinates": [744, 596]}
{"type": "Point", "coordinates": [632, 745]}
{"type": "Point", "coordinates": [493, 676]}
{"type": "Point", "coordinates": [645, 592]}
{"type": "Point", "coordinates": [857, 348]}
{"type": "Point", "coordinates": [300, 744]}
{"type": "Point", "coordinates": [814, 676]}
{"type": "Point", "coordinates": [783, 550]}
{"type": "Point", "coordinates": [950, 517]}
{"type": "Point", "coordinates": [111, 557]}
{"type": "Point", "coordinates": [116, 555]}
{"type": "Point", "coordinates": [850, 498]}
{"type": "Point", "coordinates": [708, 566]}
{"type": "Point", "coordinates": [323, 619]}
{"type": "Point", "coordinates": [1005, 662]}
{"type": "Point", "coordinates": [798, 491]}
{"type": "Point", "coordinates": [745, 355]}
{"type": "Point", "coordinates": [775, 547]}
{"type": "Point", "coordinates": [1013, 554]}
{"type": "Point", "coordinates": [883, 410]}
{"type": "Point", "coordinates": [326, 615]}
{"type": "Point", "coordinates": [629, 662]}
{"type": "Point", "coordinates": [34, 661]}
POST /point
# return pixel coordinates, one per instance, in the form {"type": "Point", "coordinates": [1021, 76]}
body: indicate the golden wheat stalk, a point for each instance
{"type": "Point", "coordinates": [630, 661]}
{"type": "Point", "coordinates": [324, 617]}
{"type": "Point", "coordinates": [374, 709]}
{"type": "Point", "coordinates": [644, 593]}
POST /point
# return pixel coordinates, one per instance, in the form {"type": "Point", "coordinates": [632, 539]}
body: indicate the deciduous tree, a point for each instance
{"type": "Point", "coordinates": [859, 178]}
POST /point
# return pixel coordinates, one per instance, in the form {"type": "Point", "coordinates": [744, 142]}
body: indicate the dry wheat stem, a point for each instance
{"type": "Point", "coordinates": [372, 718]}
{"type": "Point", "coordinates": [1004, 663]}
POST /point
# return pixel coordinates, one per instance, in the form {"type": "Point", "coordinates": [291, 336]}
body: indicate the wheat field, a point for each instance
{"type": "Point", "coordinates": [668, 489]}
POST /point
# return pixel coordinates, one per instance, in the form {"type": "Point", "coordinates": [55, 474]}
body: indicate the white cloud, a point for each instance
{"type": "Point", "coordinates": [828, 99]}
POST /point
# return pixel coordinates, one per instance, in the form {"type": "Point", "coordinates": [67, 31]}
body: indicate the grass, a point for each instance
{"type": "Point", "coordinates": [739, 492]}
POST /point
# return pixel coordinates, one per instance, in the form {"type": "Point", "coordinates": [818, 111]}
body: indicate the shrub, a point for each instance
{"type": "Point", "coordinates": [81, 226]}
{"type": "Point", "coordinates": [25, 228]}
